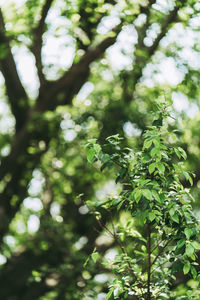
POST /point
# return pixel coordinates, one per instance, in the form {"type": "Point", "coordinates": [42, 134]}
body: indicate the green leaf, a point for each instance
{"type": "Point", "coordinates": [147, 144]}
{"type": "Point", "coordinates": [90, 155]}
{"type": "Point", "coordinates": [137, 195]}
{"type": "Point", "coordinates": [92, 141]}
{"type": "Point", "coordinates": [177, 153]}
{"type": "Point", "coordinates": [97, 148]}
{"type": "Point", "coordinates": [186, 175]}
{"type": "Point", "coordinates": [152, 168]}
{"type": "Point", "coordinates": [105, 158]}
{"type": "Point", "coordinates": [155, 195]}
{"type": "Point", "coordinates": [172, 211]}
{"type": "Point", "coordinates": [196, 245]}
{"type": "Point", "coordinates": [198, 278]}
{"type": "Point", "coordinates": [121, 175]}
{"type": "Point", "coordinates": [119, 205]}
{"type": "Point", "coordinates": [154, 151]}
{"type": "Point", "coordinates": [188, 232]}
{"type": "Point", "coordinates": [143, 216]}
{"type": "Point", "coordinates": [193, 272]}
{"type": "Point", "coordinates": [95, 256]}
{"type": "Point", "coordinates": [110, 293]}
{"type": "Point", "coordinates": [152, 216]}
{"type": "Point", "coordinates": [186, 268]}
{"type": "Point", "coordinates": [175, 218]}
{"type": "Point", "coordinates": [190, 180]}
{"type": "Point", "coordinates": [147, 194]}
{"type": "Point", "coordinates": [161, 167]}
{"type": "Point", "coordinates": [183, 153]}
{"type": "Point", "coordinates": [189, 251]}
{"type": "Point", "coordinates": [180, 244]}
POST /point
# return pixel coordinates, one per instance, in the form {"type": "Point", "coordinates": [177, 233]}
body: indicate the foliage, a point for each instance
{"type": "Point", "coordinates": [72, 71]}
{"type": "Point", "coordinates": [161, 229]}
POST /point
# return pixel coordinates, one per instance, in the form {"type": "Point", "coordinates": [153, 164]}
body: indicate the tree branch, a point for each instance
{"type": "Point", "coordinates": [36, 47]}
{"type": "Point", "coordinates": [147, 52]}
{"type": "Point", "coordinates": [15, 90]}
{"type": "Point", "coordinates": [149, 262]}
{"type": "Point", "coordinates": [74, 78]}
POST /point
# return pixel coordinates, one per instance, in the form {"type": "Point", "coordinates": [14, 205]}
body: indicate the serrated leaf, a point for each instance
{"type": "Point", "coordinates": [143, 216]}
{"type": "Point", "coordinates": [147, 144]}
{"type": "Point", "coordinates": [189, 251]}
{"type": "Point", "coordinates": [147, 194]}
{"type": "Point", "coordinates": [152, 168]}
{"type": "Point", "coordinates": [186, 268]}
{"type": "Point", "coordinates": [175, 218]}
{"type": "Point", "coordinates": [97, 148]}
{"type": "Point", "coordinates": [154, 151]}
{"type": "Point", "coordinates": [172, 211]}
{"type": "Point", "coordinates": [180, 244]}
{"type": "Point", "coordinates": [188, 233]}
{"type": "Point", "coordinates": [90, 155]}
{"type": "Point", "coordinates": [95, 256]}
{"type": "Point", "coordinates": [161, 167]}
{"type": "Point", "coordinates": [137, 195]}
{"type": "Point", "coordinates": [155, 195]}
{"type": "Point", "coordinates": [152, 216]}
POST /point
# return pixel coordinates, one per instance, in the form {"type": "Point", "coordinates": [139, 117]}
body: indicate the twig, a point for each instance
{"type": "Point", "coordinates": [160, 252]}
{"type": "Point", "coordinates": [149, 262]}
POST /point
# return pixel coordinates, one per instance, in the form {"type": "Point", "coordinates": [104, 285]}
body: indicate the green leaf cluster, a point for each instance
{"type": "Point", "coordinates": [159, 207]}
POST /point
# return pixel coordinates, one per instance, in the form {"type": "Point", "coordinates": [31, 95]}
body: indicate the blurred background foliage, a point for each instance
{"type": "Point", "coordinates": [72, 71]}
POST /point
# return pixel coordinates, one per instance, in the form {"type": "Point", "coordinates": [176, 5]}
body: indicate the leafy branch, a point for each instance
{"type": "Point", "coordinates": [155, 199]}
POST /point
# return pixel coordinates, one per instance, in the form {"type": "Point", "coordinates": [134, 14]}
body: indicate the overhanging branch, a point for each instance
{"type": "Point", "coordinates": [75, 77]}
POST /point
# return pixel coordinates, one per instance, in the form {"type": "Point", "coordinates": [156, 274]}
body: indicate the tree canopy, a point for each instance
{"type": "Point", "coordinates": [72, 71]}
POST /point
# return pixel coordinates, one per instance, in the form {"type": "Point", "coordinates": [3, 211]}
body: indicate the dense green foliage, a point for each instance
{"type": "Point", "coordinates": [154, 199]}
{"type": "Point", "coordinates": [78, 70]}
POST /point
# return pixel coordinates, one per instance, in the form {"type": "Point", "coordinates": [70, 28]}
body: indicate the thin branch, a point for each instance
{"type": "Point", "coordinates": [118, 242]}
{"type": "Point", "coordinates": [141, 61]}
{"type": "Point", "coordinates": [164, 29]}
{"type": "Point", "coordinates": [15, 90]}
{"type": "Point", "coordinates": [149, 262]}
{"type": "Point", "coordinates": [160, 252]}
{"type": "Point", "coordinates": [115, 237]}
{"type": "Point", "coordinates": [36, 47]}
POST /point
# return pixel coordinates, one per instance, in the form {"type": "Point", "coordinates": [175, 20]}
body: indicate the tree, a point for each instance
{"type": "Point", "coordinates": [158, 208]}
{"type": "Point", "coordinates": [41, 160]}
